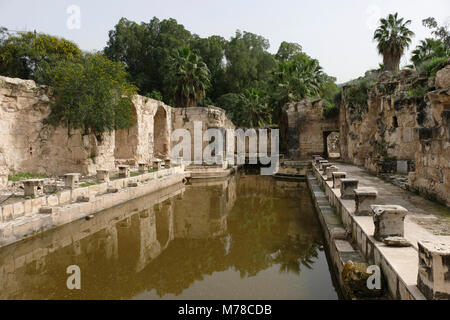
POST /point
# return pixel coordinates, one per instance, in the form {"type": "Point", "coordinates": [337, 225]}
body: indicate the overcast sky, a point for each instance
{"type": "Point", "coordinates": [337, 33]}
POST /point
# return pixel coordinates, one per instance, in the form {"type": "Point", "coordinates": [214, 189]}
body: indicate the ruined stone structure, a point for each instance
{"type": "Point", "coordinates": [210, 118]}
{"type": "Point", "coordinates": [401, 130]}
{"type": "Point", "coordinates": [308, 129]}
{"type": "Point", "coordinates": [27, 144]}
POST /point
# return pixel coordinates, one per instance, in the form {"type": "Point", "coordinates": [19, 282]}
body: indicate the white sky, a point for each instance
{"type": "Point", "coordinates": [336, 32]}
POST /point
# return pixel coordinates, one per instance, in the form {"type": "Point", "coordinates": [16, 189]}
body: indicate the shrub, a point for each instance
{"type": "Point", "coordinates": [91, 94]}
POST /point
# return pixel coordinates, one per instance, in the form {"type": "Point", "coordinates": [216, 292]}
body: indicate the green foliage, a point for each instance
{"type": "Point", "coordinates": [393, 37]}
{"type": "Point", "coordinates": [92, 94]}
{"type": "Point", "coordinates": [294, 80]}
{"type": "Point", "coordinates": [288, 50]}
{"type": "Point", "coordinates": [430, 67]}
{"type": "Point", "coordinates": [162, 56]}
{"type": "Point", "coordinates": [440, 32]}
{"type": "Point", "coordinates": [248, 62]}
{"type": "Point", "coordinates": [18, 176]}
{"type": "Point", "coordinates": [356, 95]}
{"type": "Point", "coordinates": [429, 49]}
{"type": "Point", "coordinates": [23, 55]}
{"type": "Point", "coordinates": [189, 77]}
{"type": "Point", "coordinates": [418, 92]}
{"type": "Point", "coordinates": [249, 109]}
{"type": "Point", "coordinates": [331, 97]}
{"type": "Point", "coordinates": [145, 49]}
{"type": "Point", "coordinates": [155, 94]}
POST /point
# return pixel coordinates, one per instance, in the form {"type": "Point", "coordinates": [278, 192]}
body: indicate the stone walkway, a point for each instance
{"type": "Point", "coordinates": [431, 216]}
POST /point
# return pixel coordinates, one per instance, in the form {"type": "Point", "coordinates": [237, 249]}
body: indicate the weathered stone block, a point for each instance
{"type": "Point", "coordinates": [318, 159]}
{"type": "Point", "coordinates": [64, 197]}
{"type": "Point", "coordinates": [27, 206]}
{"type": "Point", "coordinates": [397, 242]}
{"type": "Point", "coordinates": [365, 198]}
{"type": "Point", "coordinates": [83, 199]}
{"type": "Point", "coordinates": [37, 203]}
{"type": "Point", "coordinates": [434, 270]}
{"type": "Point", "coordinates": [78, 193]}
{"type": "Point", "coordinates": [18, 209]}
{"type": "Point", "coordinates": [321, 163]}
{"type": "Point", "coordinates": [142, 167]}
{"type": "Point", "coordinates": [389, 221]}
{"type": "Point", "coordinates": [443, 78]}
{"type": "Point", "coordinates": [157, 165]}
{"type": "Point", "coordinates": [325, 166]}
{"type": "Point", "coordinates": [103, 175]}
{"type": "Point", "coordinates": [329, 172]}
{"type": "Point", "coordinates": [52, 201]}
{"type": "Point", "coordinates": [45, 210]}
{"type": "Point", "coordinates": [33, 187]}
{"type": "Point", "coordinates": [7, 212]}
{"type": "Point", "coordinates": [71, 180]}
{"type": "Point", "coordinates": [337, 176]}
{"type": "Point", "coordinates": [348, 187]}
{"type": "Point", "coordinates": [124, 172]}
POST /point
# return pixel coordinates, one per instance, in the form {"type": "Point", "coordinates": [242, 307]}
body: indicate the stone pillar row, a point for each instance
{"type": "Point", "coordinates": [389, 222]}
{"type": "Point", "coordinates": [35, 187]}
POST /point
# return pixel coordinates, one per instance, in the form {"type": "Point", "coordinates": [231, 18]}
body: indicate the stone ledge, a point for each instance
{"type": "Point", "coordinates": [26, 226]}
{"type": "Point", "coordinates": [399, 265]}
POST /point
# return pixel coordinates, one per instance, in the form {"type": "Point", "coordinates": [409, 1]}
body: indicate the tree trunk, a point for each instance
{"type": "Point", "coordinates": [391, 62]}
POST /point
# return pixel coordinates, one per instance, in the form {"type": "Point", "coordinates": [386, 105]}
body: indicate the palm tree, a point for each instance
{"type": "Point", "coordinates": [191, 78]}
{"type": "Point", "coordinates": [428, 49]}
{"type": "Point", "coordinates": [393, 38]}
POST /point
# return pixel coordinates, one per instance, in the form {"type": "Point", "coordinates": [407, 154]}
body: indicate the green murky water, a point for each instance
{"type": "Point", "coordinates": [245, 237]}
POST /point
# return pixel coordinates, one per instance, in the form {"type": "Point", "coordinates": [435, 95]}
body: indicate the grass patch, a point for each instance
{"type": "Point", "coordinates": [18, 176]}
{"type": "Point", "coordinates": [134, 174]}
{"type": "Point", "coordinates": [152, 170]}
{"type": "Point", "coordinates": [87, 184]}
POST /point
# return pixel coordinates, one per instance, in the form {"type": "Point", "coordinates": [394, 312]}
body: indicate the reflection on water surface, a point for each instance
{"type": "Point", "coordinates": [246, 237]}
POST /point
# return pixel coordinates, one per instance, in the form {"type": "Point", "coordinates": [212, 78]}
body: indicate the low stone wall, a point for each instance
{"type": "Point", "coordinates": [399, 265]}
{"type": "Point", "coordinates": [24, 219]}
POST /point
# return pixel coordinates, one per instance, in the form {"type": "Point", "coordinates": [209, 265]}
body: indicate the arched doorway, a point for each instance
{"type": "Point", "coordinates": [161, 136]}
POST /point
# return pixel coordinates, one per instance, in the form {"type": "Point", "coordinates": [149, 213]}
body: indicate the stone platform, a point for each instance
{"type": "Point", "coordinates": [426, 221]}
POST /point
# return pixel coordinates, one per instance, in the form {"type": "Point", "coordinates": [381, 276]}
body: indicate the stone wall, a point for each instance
{"type": "Point", "coordinates": [308, 129]}
{"type": "Point", "coordinates": [29, 145]}
{"type": "Point", "coordinates": [139, 143]}
{"type": "Point", "coordinates": [210, 117]}
{"type": "Point", "coordinates": [432, 157]}
{"type": "Point", "coordinates": [401, 130]}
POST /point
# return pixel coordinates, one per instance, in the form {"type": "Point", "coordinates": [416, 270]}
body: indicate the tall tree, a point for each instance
{"type": "Point", "coordinates": [22, 55]}
{"type": "Point", "coordinates": [393, 37]}
{"type": "Point", "coordinates": [212, 51]}
{"type": "Point", "coordinates": [288, 50]}
{"type": "Point", "coordinates": [145, 50]}
{"type": "Point", "coordinates": [441, 32]}
{"type": "Point", "coordinates": [189, 76]}
{"type": "Point", "coordinates": [91, 94]}
{"type": "Point", "coordinates": [248, 62]}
